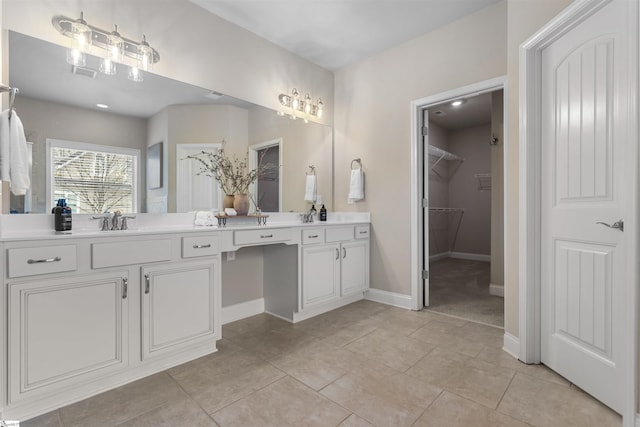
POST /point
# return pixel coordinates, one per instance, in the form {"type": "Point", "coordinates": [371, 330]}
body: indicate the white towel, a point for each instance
{"type": "Point", "coordinates": [356, 186]}
{"type": "Point", "coordinates": [310, 189]}
{"type": "Point", "coordinates": [14, 154]}
{"type": "Point", "coordinates": [203, 218]}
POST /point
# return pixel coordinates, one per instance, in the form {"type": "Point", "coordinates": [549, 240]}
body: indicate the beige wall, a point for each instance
{"type": "Point", "coordinates": [524, 18]}
{"type": "Point", "coordinates": [158, 131]}
{"type": "Point", "coordinates": [43, 119]}
{"type": "Point", "coordinates": [472, 144]}
{"type": "Point", "coordinates": [195, 46]}
{"type": "Point", "coordinates": [497, 189]}
{"type": "Point", "coordinates": [372, 121]}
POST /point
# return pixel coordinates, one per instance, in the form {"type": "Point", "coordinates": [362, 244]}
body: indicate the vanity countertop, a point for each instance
{"type": "Point", "coordinates": [40, 226]}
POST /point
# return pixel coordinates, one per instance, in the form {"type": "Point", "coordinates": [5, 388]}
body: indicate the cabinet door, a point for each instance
{"type": "Point", "coordinates": [354, 267]}
{"type": "Point", "coordinates": [320, 274]}
{"type": "Point", "coordinates": [66, 331]}
{"type": "Point", "coordinates": [179, 303]}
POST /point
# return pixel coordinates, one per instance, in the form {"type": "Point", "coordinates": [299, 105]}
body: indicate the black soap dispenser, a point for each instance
{"type": "Point", "coordinates": [62, 216]}
{"type": "Point", "coordinates": [323, 213]}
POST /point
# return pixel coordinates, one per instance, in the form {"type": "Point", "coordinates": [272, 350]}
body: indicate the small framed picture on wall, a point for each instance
{"type": "Point", "coordinates": [154, 166]}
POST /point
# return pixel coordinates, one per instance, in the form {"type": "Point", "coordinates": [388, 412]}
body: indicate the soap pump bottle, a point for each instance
{"type": "Point", "coordinates": [323, 213]}
{"type": "Point", "coordinates": [62, 216]}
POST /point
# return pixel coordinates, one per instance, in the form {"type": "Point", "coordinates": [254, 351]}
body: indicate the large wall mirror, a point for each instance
{"type": "Point", "coordinates": [58, 102]}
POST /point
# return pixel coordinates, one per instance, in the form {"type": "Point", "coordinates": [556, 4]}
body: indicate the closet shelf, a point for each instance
{"type": "Point", "coordinates": [484, 181]}
{"type": "Point", "coordinates": [440, 155]}
{"type": "Point", "coordinates": [452, 212]}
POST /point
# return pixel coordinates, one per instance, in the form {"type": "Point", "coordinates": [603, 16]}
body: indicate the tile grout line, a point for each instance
{"type": "Point", "coordinates": [442, 390]}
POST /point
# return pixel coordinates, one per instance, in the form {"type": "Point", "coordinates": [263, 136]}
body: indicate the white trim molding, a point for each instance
{"type": "Point", "coordinates": [242, 310]}
{"type": "Point", "coordinates": [390, 298]}
{"type": "Point", "coordinates": [530, 195]}
{"type": "Point", "coordinates": [496, 290]}
{"type": "Point", "coordinates": [511, 345]}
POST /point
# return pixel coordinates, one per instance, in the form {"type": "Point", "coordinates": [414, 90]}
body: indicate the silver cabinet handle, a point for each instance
{"type": "Point", "coordinates": [344, 253]}
{"type": "Point", "coordinates": [201, 246]}
{"type": "Point", "coordinates": [147, 283]}
{"type": "Point", "coordinates": [266, 236]}
{"type": "Point", "coordinates": [337, 253]}
{"type": "Point", "coordinates": [38, 261]}
{"type": "Point", "coordinates": [363, 232]}
{"type": "Point", "coordinates": [618, 225]}
{"type": "Point", "coordinates": [315, 236]}
{"type": "Point", "coordinates": [125, 287]}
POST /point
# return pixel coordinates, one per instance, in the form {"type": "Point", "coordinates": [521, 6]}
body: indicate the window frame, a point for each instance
{"type": "Point", "coordinates": [75, 145]}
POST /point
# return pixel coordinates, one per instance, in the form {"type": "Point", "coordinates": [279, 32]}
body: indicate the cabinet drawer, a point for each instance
{"type": "Point", "coordinates": [200, 246]}
{"type": "Point", "coordinates": [312, 235]}
{"type": "Point", "coordinates": [264, 236]}
{"type": "Point", "coordinates": [41, 260]}
{"type": "Point", "coordinates": [129, 253]}
{"type": "Point", "coordinates": [338, 234]}
{"type": "Point", "coordinates": [362, 231]}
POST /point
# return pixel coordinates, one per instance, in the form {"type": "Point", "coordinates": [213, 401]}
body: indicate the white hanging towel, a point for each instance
{"type": "Point", "coordinates": [14, 154]}
{"type": "Point", "coordinates": [310, 189]}
{"type": "Point", "coordinates": [356, 186]}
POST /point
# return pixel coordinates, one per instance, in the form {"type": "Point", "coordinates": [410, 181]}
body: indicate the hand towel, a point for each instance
{"type": "Point", "coordinates": [20, 177]}
{"type": "Point", "coordinates": [203, 218]}
{"type": "Point", "coordinates": [14, 154]}
{"type": "Point", "coordinates": [310, 189]}
{"type": "Point", "coordinates": [356, 186]}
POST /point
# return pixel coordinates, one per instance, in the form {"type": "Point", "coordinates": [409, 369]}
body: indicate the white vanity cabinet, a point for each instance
{"type": "Point", "coordinates": [65, 330]}
{"type": "Point", "coordinates": [179, 306]}
{"type": "Point", "coordinates": [334, 264]}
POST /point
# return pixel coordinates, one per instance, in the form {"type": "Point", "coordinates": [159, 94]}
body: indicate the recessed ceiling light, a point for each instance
{"type": "Point", "coordinates": [457, 103]}
{"type": "Point", "coordinates": [105, 106]}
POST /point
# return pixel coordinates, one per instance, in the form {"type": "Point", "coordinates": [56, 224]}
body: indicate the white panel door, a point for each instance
{"type": "Point", "coordinates": [584, 116]}
{"type": "Point", "coordinates": [354, 267]}
{"type": "Point", "coordinates": [195, 191]}
{"type": "Point", "coordinates": [320, 274]}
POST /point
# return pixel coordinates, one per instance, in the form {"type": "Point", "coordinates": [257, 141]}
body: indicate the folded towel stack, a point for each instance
{"type": "Point", "coordinates": [14, 154]}
{"type": "Point", "coordinates": [310, 189]}
{"type": "Point", "coordinates": [203, 218]}
{"type": "Point", "coordinates": [356, 186]}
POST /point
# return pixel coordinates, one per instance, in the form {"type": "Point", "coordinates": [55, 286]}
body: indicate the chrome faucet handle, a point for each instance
{"type": "Point", "coordinates": [115, 221]}
{"type": "Point", "coordinates": [104, 225]}
{"type": "Point", "coordinates": [123, 225]}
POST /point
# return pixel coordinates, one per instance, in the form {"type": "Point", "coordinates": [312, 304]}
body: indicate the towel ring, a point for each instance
{"type": "Point", "coordinates": [312, 170]}
{"type": "Point", "coordinates": [359, 163]}
{"type": "Point", "coordinates": [12, 98]}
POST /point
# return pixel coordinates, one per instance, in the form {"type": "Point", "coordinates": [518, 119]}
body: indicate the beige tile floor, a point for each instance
{"type": "Point", "coordinates": [365, 364]}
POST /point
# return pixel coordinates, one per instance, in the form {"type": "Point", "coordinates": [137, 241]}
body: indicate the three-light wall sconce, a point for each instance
{"type": "Point", "coordinates": [116, 49]}
{"type": "Point", "coordinates": [300, 106]}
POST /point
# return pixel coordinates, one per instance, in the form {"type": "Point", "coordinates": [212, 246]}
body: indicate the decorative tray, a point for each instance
{"type": "Point", "coordinates": [222, 219]}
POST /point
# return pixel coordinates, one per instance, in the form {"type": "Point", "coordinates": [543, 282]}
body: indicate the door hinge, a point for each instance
{"type": "Point", "coordinates": [425, 274]}
{"type": "Point", "coordinates": [425, 203]}
{"type": "Point", "coordinates": [425, 131]}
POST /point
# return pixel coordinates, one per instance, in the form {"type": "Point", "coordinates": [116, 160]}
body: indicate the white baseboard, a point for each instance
{"type": "Point", "coordinates": [438, 257]}
{"type": "Point", "coordinates": [389, 298]}
{"type": "Point", "coordinates": [241, 310]}
{"type": "Point", "coordinates": [511, 345]}
{"type": "Point", "coordinates": [496, 290]}
{"type": "Point", "coordinates": [470, 256]}
{"type": "Point", "coordinates": [637, 420]}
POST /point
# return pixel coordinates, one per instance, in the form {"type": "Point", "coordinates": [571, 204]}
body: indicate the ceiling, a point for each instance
{"type": "Point", "coordinates": [474, 111]}
{"type": "Point", "coordinates": [335, 33]}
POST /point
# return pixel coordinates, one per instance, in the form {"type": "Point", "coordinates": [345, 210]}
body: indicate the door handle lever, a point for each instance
{"type": "Point", "coordinates": [618, 225]}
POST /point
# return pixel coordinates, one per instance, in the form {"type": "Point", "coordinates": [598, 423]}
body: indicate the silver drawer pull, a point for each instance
{"type": "Point", "coordinates": [38, 261]}
{"type": "Point", "coordinates": [315, 236]}
{"type": "Point", "coordinates": [125, 287]}
{"type": "Point", "coordinates": [147, 283]}
{"type": "Point", "coordinates": [363, 232]}
{"type": "Point", "coordinates": [266, 236]}
{"type": "Point", "coordinates": [201, 246]}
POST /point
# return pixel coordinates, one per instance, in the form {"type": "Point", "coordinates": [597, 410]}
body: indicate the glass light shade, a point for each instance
{"type": "Point", "coordinates": [295, 101]}
{"type": "Point", "coordinates": [115, 45]}
{"type": "Point", "coordinates": [320, 107]}
{"type": "Point", "coordinates": [76, 57]}
{"type": "Point", "coordinates": [307, 104]}
{"type": "Point", "coordinates": [135, 75]}
{"type": "Point", "coordinates": [81, 34]}
{"type": "Point", "coordinates": [146, 55]}
{"type": "Point", "coordinates": [107, 66]}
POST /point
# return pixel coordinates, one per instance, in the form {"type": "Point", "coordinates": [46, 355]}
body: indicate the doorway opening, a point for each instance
{"type": "Point", "coordinates": [463, 220]}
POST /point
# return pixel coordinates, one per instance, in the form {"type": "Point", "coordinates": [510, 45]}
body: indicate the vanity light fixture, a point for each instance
{"type": "Point", "coordinates": [139, 56]}
{"type": "Point", "coordinates": [300, 106]}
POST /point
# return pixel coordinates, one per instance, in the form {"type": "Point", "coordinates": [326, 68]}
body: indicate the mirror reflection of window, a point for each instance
{"type": "Point", "coordinates": [267, 190]}
{"type": "Point", "coordinates": [92, 178]}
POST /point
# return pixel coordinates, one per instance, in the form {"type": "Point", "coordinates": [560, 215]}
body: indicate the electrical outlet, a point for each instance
{"type": "Point", "coordinates": [318, 199]}
{"type": "Point", "coordinates": [231, 256]}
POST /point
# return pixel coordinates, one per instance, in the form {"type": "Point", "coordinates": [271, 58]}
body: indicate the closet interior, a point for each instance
{"type": "Point", "coordinates": [464, 220]}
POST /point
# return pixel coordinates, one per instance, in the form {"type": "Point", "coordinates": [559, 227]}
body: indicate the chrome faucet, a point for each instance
{"type": "Point", "coordinates": [115, 220]}
{"type": "Point", "coordinates": [104, 223]}
{"type": "Point", "coordinates": [308, 217]}
{"type": "Point", "coordinates": [111, 222]}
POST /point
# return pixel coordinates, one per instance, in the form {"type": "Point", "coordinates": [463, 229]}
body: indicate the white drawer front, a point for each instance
{"type": "Point", "coordinates": [338, 234]}
{"type": "Point", "coordinates": [200, 246]}
{"type": "Point", "coordinates": [129, 253]}
{"type": "Point", "coordinates": [312, 235]}
{"type": "Point", "coordinates": [41, 260]}
{"type": "Point", "coordinates": [362, 232]}
{"type": "Point", "coordinates": [264, 236]}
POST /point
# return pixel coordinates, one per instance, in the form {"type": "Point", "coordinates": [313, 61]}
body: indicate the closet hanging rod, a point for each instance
{"type": "Point", "coordinates": [447, 209]}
